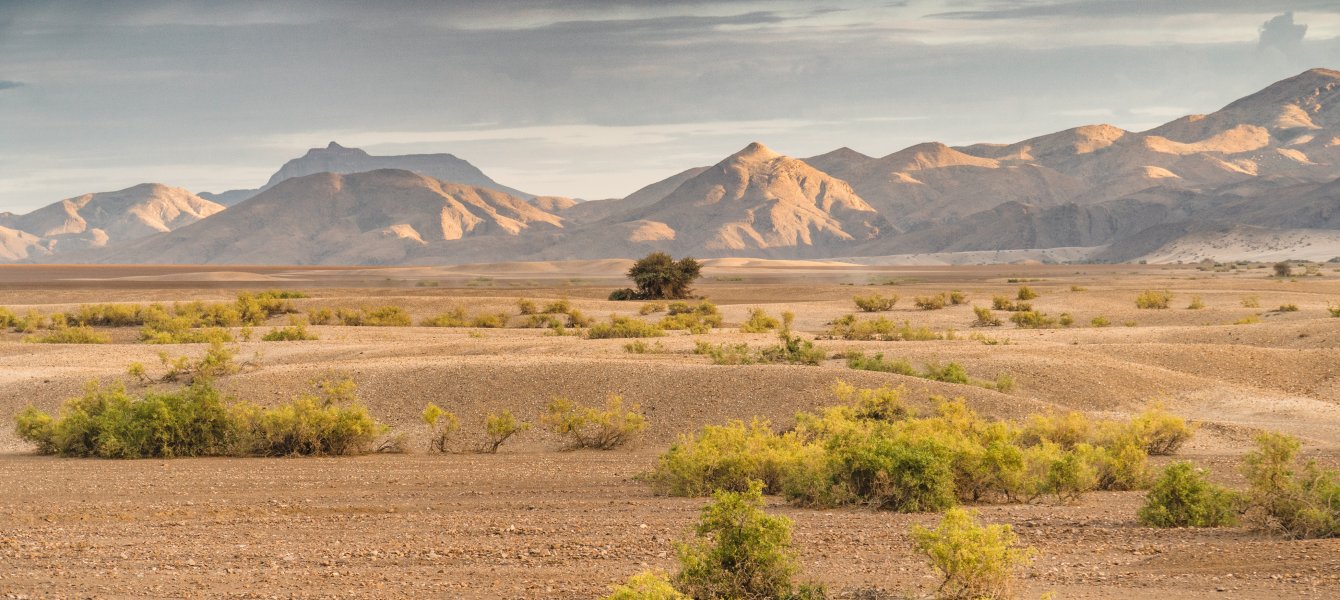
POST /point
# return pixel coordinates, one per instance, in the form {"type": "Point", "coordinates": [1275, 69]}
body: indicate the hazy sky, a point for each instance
{"type": "Point", "coordinates": [595, 98]}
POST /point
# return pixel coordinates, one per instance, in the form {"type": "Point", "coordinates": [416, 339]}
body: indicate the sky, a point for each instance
{"type": "Point", "coordinates": [597, 98]}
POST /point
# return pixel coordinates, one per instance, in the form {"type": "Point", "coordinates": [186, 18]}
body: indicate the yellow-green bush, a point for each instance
{"type": "Point", "coordinates": [1153, 299]}
{"type": "Point", "coordinates": [759, 322]}
{"type": "Point", "coordinates": [330, 422]}
{"type": "Point", "coordinates": [875, 302]}
{"type": "Point", "coordinates": [296, 332]}
{"type": "Point", "coordinates": [442, 424]}
{"type": "Point", "coordinates": [984, 317]}
{"type": "Point", "coordinates": [70, 335]}
{"type": "Point", "coordinates": [647, 585]}
{"type": "Point", "coordinates": [935, 302]}
{"type": "Point", "coordinates": [975, 561]}
{"type": "Point", "coordinates": [726, 457]}
{"type": "Point", "coordinates": [498, 428]}
{"type": "Point", "coordinates": [589, 427]}
{"type": "Point", "coordinates": [381, 316]}
{"type": "Point", "coordinates": [651, 307]}
{"type": "Point", "coordinates": [849, 327]}
{"type": "Point", "coordinates": [1283, 499]}
{"type": "Point", "coordinates": [699, 318]}
{"type": "Point", "coordinates": [1032, 320]}
{"type": "Point", "coordinates": [1025, 293]}
{"type": "Point", "coordinates": [526, 307]}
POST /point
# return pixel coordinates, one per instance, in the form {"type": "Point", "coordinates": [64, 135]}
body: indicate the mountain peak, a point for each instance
{"type": "Point", "coordinates": [755, 151]}
{"type": "Point", "coordinates": [334, 146]}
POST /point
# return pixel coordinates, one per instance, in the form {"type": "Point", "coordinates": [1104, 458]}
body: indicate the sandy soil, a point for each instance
{"type": "Point", "coordinates": [534, 522]}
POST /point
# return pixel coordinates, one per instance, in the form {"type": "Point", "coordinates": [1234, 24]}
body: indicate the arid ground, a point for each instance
{"type": "Point", "coordinates": [537, 522]}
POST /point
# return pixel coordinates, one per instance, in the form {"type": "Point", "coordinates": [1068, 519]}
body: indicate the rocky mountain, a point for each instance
{"type": "Point", "coordinates": [1263, 171]}
{"type": "Point", "coordinates": [101, 219]}
{"type": "Point", "coordinates": [376, 217]}
{"type": "Point", "coordinates": [335, 158]}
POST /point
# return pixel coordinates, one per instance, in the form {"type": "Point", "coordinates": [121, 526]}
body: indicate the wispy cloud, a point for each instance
{"type": "Point", "coordinates": [9, 85]}
{"type": "Point", "coordinates": [1030, 9]}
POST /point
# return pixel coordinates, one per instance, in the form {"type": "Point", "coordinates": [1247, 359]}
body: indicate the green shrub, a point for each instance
{"type": "Point", "coordinates": [296, 332]}
{"type": "Point", "coordinates": [875, 302]}
{"type": "Point", "coordinates": [1065, 320]}
{"type": "Point", "coordinates": [886, 472]}
{"type": "Point", "coordinates": [658, 276]}
{"type": "Point", "coordinates": [178, 330]}
{"type": "Point", "coordinates": [1183, 497]}
{"type": "Point", "coordinates": [624, 327]}
{"type": "Point", "coordinates": [1287, 308]}
{"type": "Point", "coordinates": [7, 318]}
{"type": "Point", "coordinates": [950, 373]}
{"type": "Point", "coordinates": [985, 318]}
{"type": "Point", "coordinates": [935, 302]}
{"type": "Point", "coordinates": [858, 360]}
{"type": "Point", "coordinates": [588, 427]}
{"type": "Point", "coordinates": [1279, 499]}
{"type": "Point", "coordinates": [1334, 309]}
{"type": "Point", "coordinates": [726, 354]}
{"type": "Point", "coordinates": [647, 585]}
{"type": "Point", "coordinates": [489, 321]}
{"type": "Point", "coordinates": [792, 349]}
{"type": "Point", "coordinates": [1100, 321]}
{"type": "Point", "coordinates": [70, 335]}
{"type": "Point", "coordinates": [498, 428]}
{"type": "Point", "coordinates": [956, 297]}
{"type": "Point", "coordinates": [30, 322]}
{"type": "Point", "coordinates": [1025, 293]}
{"type": "Point", "coordinates": [526, 307]}
{"type": "Point", "coordinates": [1152, 299]}
{"type": "Point", "coordinates": [699, 318]}
{"type": "Point", "coordinates": [740, 552]}
{"type": "Point", "coordinates": [455, 317]}
{"type": "Point", "coordinates": [974, 560]}
{"type": "Point", "coordinates": [1283, 269]}
{"type": "Point", "coordinates": [442, 424]}
{"type": "Point", "coordinates": [651, 307]}
{"type": "Point", "coordinates": [1002, 303]}
{"type": "Point", "coordinates": [641, 347]}
{"type": "Point", "coordinates": [216, 362]}
{"type": "Point", "coordinates": [759, 322]}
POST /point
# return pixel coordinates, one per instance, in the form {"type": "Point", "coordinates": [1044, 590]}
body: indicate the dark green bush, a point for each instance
{"type": "Point", "coordinates": [1282, 499]}
{"type": "Point", "coordinates": [1183, 497]}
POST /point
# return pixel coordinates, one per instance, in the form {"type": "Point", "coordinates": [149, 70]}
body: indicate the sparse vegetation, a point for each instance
{"type": "Point", "coordinates": [382, 316]}
{"type": "Point", "coordinates": [70, 335]}
{"type": "Point", "coordinates": [1025, 293]}
{"type": "Point", "coordinates": [1032, 320]}
{"type": "Point", "coordinates": [694, 318]}
{"type": "Point", "coordinates": [1196, 303]}
{"type": "Point", "coordinates": [1283, 269]}
{"type": "Point", "coordinates": [985, 318]}
{"type": "Point", "coordinates": [936, 302]}
{"type": "Point", "coordinates": [296, 332]}
{"type": "Point", "coordinates": [1287, 308]}
{"type": "Point", "coordinates": [1283, 499]}
{"type": "Point", "coordinates": [1251, 302]}
{"type": "Point", "coordinates": [850, 327]}
{"type": "Point", "coordinates": [1100, 321]}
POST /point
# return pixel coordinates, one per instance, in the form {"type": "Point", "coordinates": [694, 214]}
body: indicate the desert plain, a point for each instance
{"type": "Point", "coordinates": [534, 521]}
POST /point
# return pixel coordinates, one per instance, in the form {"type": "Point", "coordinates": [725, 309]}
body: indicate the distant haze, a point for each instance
{"type": "Point", "coordinates": [596, 98]}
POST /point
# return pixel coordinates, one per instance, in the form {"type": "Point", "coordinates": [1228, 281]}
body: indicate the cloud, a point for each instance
{"type": "Point", "coordinates": [1282, 33]}
{"type": "Point", "coordinates": [9, 85]}
{"type": "Point", "coordinates": [1027, 9]}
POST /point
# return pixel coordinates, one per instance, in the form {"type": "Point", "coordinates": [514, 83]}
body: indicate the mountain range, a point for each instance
{"type": "Point", "coordinates": [1263, 173]}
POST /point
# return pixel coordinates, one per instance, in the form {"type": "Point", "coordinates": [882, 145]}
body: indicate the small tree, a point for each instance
{"type": "Point", "coordinates": [442, 423]}
{"type": "Point", "coordinates": [1283, 269]}
{"type": "Point", "coordinates": [498, 428]}
{"type": "Point", "coordinates": [1182, 497]}
{"type": "Point", "coordinates": [659, 276]}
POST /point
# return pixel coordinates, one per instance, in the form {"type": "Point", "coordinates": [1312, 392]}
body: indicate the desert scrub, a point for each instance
{"type": "Point", "coordinates": [1159, 432]}
{"type": "Point", "coordinates": [740, 551]}
{"type": "Point", "coordinates": [296, 332]}
{"type": "Point", "coordinates": [382, 316]}
{"type": "Point", "coordinates": [699, 318]}
{"type": "Point", "coordinates": [1287, 308]}
{"type": "Point", "coordinates": [936, 302]}
{"type": "Point", "coordinates": [1283, 499]}
{"type": "Point", "coordinates": [217, 361]}
{"type": "Point", "coordinates": [759, 322]}
{"type": "Point", "coordinates": [984, 317]}
{"type": "Point", "coordinates": [1153, 299]}
{"type": "Point", "coordinates": [873, 450]}
{"type": "Point", "coordinates": [197, 421]}
{"type": "Point", "coordinates": [526, 307]}
{"type": "Point", "coordinates": [1025, 293]}
{"type": "Point", "coordinates": [624, 327]}
{"type": "Point", "coordinates": [1334, 309]}
{"type": "Point", "coordinates": [651, 307]}
{"type": "Point", "coordinates": [70, 335]}
{"type": "Point", "coordinates": [1032, 320]}
{"type": "Point", "coordinates": [587, 427]}
{"type": "Point", "coordinates": [1100, 321]}
{"type": "Point", "coordinates": [647, 585]}
{"type": "Point", "coordinates": [974, 561]}
{"type": "Point", "coordinates": [875, 302]}
{"type": "Point", "coordinates": [849, 327]}
{"type": "Point", "coordinates": [442, 425]}
{"type": "Point", "coordinates": [1183, 497]}
{"type": "Point", "coordinates": [877, 362]}
{"type": "Point", "coordinates": [1196, 303]}
{"type": "Point", "coordinates": [498, 428]}
{"type": "Point", "coordinates": [1250, 302]}
{"type": "Point", "coordinates": [641, 347]}
{"type": "Point", "coordinates": [329, 422]}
